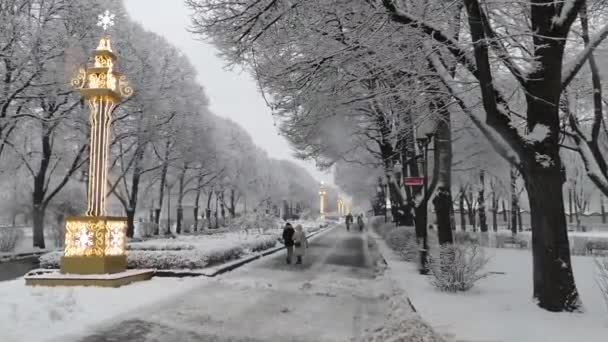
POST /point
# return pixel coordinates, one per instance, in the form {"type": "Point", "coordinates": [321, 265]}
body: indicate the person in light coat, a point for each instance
{"type": "Point", "coordinates": [300, 243]}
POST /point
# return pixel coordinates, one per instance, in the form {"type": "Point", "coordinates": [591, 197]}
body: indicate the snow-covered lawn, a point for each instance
{"type": "Point", "coordinates": [47, 313]}
{"type": "Point", "coordinates": [194, 251]}
{"type": "Point", "coordinates": [186, 251]}
{"type": "Point", "coordinates": [500, 308]}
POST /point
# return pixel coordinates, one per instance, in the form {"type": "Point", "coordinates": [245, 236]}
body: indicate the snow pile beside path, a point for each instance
{"type": "Point", "coordinates": [186, 252]}
{"type": "Point", "coordinates": [47, 313]}
{"type": "Point", "coordinates": [403, 324]}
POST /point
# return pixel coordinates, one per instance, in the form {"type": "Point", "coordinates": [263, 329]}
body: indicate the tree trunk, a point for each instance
{"type": "Point", "coordinates": [135, 179]}
{"type": "Point", "coordinates": [197, 200]}
{"type": "Point", "coordinates": [180, 200]}
{"type": "Point", "coordinates": [38, 228]}
{"type": "Point", "coordinates": [494, 211]}
{"type": "Point", "coordinates": [471, 210]}
{"type": "Point", "coordinates": [163, 181]}
{"type": "Point", "coordinates": [483, 225]}
{"type": "Point", "coordinates": [570, 204]}
{"type": "Point", "coordinates": [208, 209]}
{"type": "Point", "coordinates": [421, 234]}
{"type": "Point", "coordinates": [463, 220]}
{"type": "Point", "coordinates": [232, 208]}
{"type": "Point", "coordinates": [443, 158]}
{"type": "Point", "coordinates": [514, 204]}
{"type": "Point", "coordinates": [602, 209]}
{"type": "Point", "coordinates": [130, 222]}
{"type": "Point", "coordinates": [554, 285]}
{"type": "Point", "coordinates": [442, 203]}
{"type": "Point", "coordinates": [519, 220]}
{"type": "Point", "coordinates": [504, 211]}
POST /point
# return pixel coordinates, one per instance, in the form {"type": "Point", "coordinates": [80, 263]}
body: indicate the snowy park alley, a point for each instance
{"type": "Point", "coordinates": [163, 163]}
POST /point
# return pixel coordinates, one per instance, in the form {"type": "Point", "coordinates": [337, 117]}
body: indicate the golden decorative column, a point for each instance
{"type": "Point", "coordinates": [322, 194]}
{"type": "Point", "coordinates": [95, 243]}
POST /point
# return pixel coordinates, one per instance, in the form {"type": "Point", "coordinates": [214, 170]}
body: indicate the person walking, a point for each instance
{"type": "Point", "coordinates": [349, 220]}
{"type": "Point", "coordinates": [360, 222]}
{"type": "Point", "coordinates": [300, 244]}
{"type": "Point", "coordinates": [288, 233]}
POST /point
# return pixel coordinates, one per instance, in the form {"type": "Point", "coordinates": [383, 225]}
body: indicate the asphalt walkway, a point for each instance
{"type": "Point", "coordinates": [337, 294]}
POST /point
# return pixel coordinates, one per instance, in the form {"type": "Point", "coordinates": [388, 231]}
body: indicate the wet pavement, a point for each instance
{"type": "Point", "coordinates": [14, 269]}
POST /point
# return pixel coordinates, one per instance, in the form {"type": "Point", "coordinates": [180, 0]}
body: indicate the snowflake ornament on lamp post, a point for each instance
{"type": "Point", "coordinates": [106, 20]}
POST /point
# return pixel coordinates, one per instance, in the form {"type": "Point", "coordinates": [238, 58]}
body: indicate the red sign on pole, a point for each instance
{"type": "Point", "coordinates": [413, 180]}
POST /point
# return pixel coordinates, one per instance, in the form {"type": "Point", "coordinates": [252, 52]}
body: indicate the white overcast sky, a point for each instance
{"type": "Point", "coordinates": [232, 94]}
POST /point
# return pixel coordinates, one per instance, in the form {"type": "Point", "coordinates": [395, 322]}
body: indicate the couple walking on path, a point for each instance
{"type": "Point", "coordinates": [349, 221]}
{"type": "Point", "coordinates": [295, 242]}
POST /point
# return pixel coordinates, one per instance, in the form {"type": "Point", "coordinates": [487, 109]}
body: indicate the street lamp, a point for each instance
{"type": "Point", "coordinates": [322, 194]}
{"type": "Point", "coordinates": [423, 145]}
{"type": "Point", "coordinates": [382, 197]}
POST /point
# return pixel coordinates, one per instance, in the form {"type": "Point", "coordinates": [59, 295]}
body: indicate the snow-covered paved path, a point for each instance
{"type": "Point", "coordinates": [336, 295]}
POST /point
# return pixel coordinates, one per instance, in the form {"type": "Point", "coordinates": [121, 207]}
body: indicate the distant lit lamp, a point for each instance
{"type": "Point", "coordinates": [322, 195]}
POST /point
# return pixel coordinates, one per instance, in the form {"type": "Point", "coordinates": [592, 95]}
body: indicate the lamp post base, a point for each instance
{"type": "Point", "coordinates": [94, 245]}
{"type": "Point", "coordinates": [106, 264]}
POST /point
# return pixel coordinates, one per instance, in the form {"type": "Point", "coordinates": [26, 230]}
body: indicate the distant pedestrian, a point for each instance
{"type": "Point", "coordinates": [349, 221]}
{"type": "Point", "coordinates": [300, 243]}
{"type": "Point", "coordinates": [360, 222]}
{"type": "Point", "coordinates": [288, 233]}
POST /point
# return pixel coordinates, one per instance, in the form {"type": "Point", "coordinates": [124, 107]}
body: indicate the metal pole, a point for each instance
{"type": "Point", "coordinates": [425, 246]}
{"type": "Point", "coordinates": [385, 204]}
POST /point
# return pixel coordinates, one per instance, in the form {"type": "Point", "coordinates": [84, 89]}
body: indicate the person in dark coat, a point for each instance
{"type": "Point", "coordinates": [288, 232]}
{"type": "Point", "coordinates": [360, 222]}
{"type": "Point", "coordinates": [349, 221]}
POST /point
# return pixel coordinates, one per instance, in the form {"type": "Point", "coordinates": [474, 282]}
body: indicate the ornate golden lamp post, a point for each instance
{"type": "Point", "coordinates": [322, 194]}
{"type": "Point", "coordinates": [95, 243]}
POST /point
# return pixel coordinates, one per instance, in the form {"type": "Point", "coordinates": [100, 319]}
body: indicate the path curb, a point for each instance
{"type": "Point", "coordinates": [383, 249]}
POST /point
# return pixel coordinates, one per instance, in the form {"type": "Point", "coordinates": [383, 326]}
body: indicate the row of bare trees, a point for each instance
{"type": "Point", "coordinates": [357, 81]}
{"type": "Point", "coordinates": [166, 145]}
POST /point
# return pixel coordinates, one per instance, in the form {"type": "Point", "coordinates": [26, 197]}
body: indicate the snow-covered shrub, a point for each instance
{"type": "Point", "coordinates": [50, 260]}
{"type": "Point", "coordinates": [9, 238]}
{"type": "Point", "coordinates": [256, 220]}
{"type": "Point", "coordinates": [403, 241]}
{"type": "Point", "coordinates": [458, 267]}
{"type": "Point", "coordinates": [503, 239]}
{"type": "Point", "coordinates": [145, 229]}
{"type": "Point", "coordinates": [262, 243]}
{"type": "Point", "coordinates": [465, 237]}
{"type": "Point", "coordinates": [160, 246]}
{"type": "Point", "coordinates": [602, 277]}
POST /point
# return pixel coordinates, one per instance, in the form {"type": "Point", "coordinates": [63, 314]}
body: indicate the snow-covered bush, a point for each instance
{"type": "Point", "coordinates": [403, 241]}
{"type": "Point", "coordinates": [50, 260]}
{"type": "Point", "coordinates": [9, 238]}
{"type": "Point", "coordinates": [255, 220]}
{"type": "Point", "coordinates": [458, 267]}
{"type": "Point", "coordinates": [509, 238]}
{"type": "Point", "coordinates": [465, 237]}
{"type": "Point", "coordinates": [145, 229]}
{"type": "Point", "coordinates": [262, 244]}
{"type": "Point", "coordinates": [177, 255]}
{"type": "Point", "coordinates": [160, 246]}
{"type": "Point", "coordinates": [602, 277]}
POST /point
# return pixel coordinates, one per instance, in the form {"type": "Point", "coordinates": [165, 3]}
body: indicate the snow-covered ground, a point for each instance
{"type": "Point", "coordinates": [500, 308]}
{"type": "Point", "coordinates": [43, 314]}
